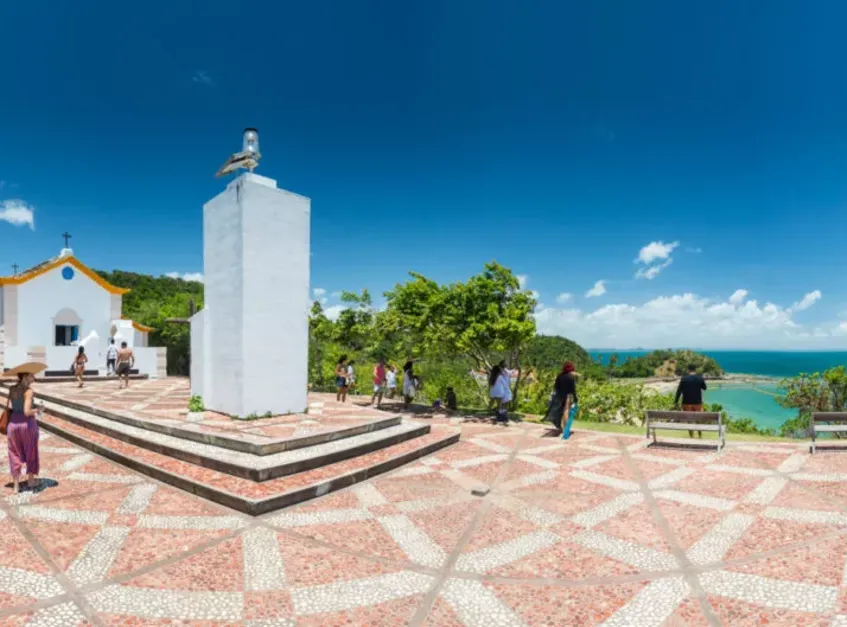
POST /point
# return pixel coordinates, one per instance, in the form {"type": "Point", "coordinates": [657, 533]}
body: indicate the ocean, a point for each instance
{"type": "Point", "coordinates": [755, 401]}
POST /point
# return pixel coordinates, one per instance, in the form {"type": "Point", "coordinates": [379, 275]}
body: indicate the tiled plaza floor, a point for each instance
{"type": "Point", "coordinates": [598, 530]}
{"type": "Point", "coordinates": [165, 401]}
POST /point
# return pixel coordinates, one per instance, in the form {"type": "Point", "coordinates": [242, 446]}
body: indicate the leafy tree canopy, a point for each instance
{"type": "Point", "coordinates": [481, 319]}
{"type": "Point", "coordinates": [154, 299]}
{"type": "Point", "coordinates": [548, 352]}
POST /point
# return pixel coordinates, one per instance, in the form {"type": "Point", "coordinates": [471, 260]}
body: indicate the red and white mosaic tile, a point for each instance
{"type": "Point", "coordinates": [598, 530]}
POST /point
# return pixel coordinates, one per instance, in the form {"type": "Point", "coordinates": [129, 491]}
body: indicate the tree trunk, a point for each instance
{"type": "Point", "coordinates": [517, 360]}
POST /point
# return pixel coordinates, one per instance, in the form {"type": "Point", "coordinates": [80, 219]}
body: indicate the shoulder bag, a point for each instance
{"type": "Point", "coordinates": [4, 417]}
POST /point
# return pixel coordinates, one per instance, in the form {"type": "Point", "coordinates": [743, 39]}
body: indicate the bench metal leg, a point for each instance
{"type": "Point", "coordinates": [813, 441]}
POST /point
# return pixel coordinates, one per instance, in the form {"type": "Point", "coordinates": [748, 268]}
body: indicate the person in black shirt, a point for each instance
{"type": "Point", "coordinates": [691, 389]}
{"type": "Point", "coordinates": [564, 395]}
{"type": "Point", "coordinates": [452, 401]}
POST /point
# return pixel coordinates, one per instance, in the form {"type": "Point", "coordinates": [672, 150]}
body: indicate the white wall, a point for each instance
{"type": "Point", "coordinates": [146, 361]}
{"type": "Point", "coordinates": [10, 313]}
{"type": "Point", "coordinates": [139, 338]}
{"type": "Point", "coordinates": [61, 357]}
{"type": "Point", "coordinates": [41, 298]}
{"type": "Point", "coordinates": [256, 266]}
{"type": "Point", "coordinates": [197, 352]}
{"type": "Point", "coordinates": [222, 298]}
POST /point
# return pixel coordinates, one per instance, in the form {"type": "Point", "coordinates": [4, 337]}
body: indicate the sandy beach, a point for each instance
{"type": "Point", "coordinates": [665, 386]}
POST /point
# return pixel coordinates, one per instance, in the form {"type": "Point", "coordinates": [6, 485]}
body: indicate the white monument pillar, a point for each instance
{"type": "Point", "coordinates": [254, 325]}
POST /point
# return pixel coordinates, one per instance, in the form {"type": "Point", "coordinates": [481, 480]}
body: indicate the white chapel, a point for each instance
{"type": "Point", "coordinates": [50, 310]}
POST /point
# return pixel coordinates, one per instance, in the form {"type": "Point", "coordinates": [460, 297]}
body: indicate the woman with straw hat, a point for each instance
{"type": "Point", "coordinates": [22, 431]}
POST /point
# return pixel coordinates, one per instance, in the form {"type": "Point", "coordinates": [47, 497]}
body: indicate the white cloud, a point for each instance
{"type": "Point", "coordinates": [653, 271]}
{"type": "Point", "coordinates": [655, 251]}
{"type": "Point", "coordinates": [202, 77]}
{"type": "Point", "coordinates": [523, 279]}
{"type": "Point", "coordinates": [196, 277]}
{"type": "Point", "coordinates": [334, 311]}
{"type": "Point", "coordinates": [808, 300]}
{"type": "Point", "coordinates": [319, 294]}
{"type": "Point", "coordinates": [688, 320]}
{"type": "Point", "coordinates": [535, 294]}
{"type": "Point", "coordinates": [598, 290]}
{"type": "Point", "coordinates": [17, 213]}
{"type": "Point", "coordinates": [563, 298]}
{"type": "Point", "coordinates": [738, 297]}
{"type": "Point", "coordinates": [652, 252]}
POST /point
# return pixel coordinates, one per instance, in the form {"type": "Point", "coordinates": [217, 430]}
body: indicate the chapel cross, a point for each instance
{"type": "Point", "coordinates": [67, 237]}
{"type": "Point", "coordinates": [15, 268]}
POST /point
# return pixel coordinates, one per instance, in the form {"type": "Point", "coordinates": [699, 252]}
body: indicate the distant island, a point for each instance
{"type": "Point", "coordinates": [660, 364]}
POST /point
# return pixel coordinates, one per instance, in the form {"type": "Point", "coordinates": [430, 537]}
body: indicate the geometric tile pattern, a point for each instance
{"type": "Point", "coordinates": [165, 403]}
{"type": "Point", "coordinates": [598, 530]}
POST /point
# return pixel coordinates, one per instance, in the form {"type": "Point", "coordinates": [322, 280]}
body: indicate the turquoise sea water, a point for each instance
{"type": "Point", "coordinates": [755, 401]}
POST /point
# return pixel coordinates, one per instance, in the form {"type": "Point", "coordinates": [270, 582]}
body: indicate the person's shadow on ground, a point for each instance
{"type": "Point", "coordinates": [43, 485]}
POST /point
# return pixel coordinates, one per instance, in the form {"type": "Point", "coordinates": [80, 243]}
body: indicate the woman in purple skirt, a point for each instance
{"type": "Point", "coordinates": [22, 435]}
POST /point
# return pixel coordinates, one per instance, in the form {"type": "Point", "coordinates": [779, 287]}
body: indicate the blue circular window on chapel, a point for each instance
{"type": "Point", "coordinates": [67, 273]}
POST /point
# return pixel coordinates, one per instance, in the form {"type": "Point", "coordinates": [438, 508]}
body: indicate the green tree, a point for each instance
{"type": "Point", "coordinates": [151, 301]}
{"type": "Point", "coordinates": [485, 319]}
{"type": "Point", "coordinates": [808, 393]}
{"type": "Point", "coordinates": [321, 331]}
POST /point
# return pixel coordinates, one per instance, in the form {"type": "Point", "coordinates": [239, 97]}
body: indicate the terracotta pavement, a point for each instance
{"type": "Point", "coordinates": [597, 530]}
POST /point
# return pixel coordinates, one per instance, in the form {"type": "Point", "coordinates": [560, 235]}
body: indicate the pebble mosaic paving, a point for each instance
{"type": "Point", "coordinates": [165, 402]}
{"type": "Point", "coordinates": [598, 530]}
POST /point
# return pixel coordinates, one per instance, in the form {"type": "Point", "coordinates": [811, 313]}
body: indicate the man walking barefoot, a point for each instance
{"type": "Point", "coordinates": [126, 360]}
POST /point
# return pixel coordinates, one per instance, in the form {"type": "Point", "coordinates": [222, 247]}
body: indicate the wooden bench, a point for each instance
{"type": "Point", "coordinates": [686, 421]}
{"type": "Point", "coordinates": [822, 422]}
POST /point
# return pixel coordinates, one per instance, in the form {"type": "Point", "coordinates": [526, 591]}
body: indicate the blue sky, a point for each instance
{"type": "Point", "coordinates": [558, 138]}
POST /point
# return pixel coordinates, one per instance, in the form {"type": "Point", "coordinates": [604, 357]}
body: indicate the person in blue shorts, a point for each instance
{"type": "Point", "coordinates": [341, 379]}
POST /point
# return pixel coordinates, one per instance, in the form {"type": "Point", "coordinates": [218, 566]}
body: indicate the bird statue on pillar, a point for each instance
{"type": "Point", "coordinates": [248, 157]}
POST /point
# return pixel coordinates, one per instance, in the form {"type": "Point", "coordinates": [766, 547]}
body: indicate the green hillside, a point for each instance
{"type": "Point", "coordinates": [154, 299]}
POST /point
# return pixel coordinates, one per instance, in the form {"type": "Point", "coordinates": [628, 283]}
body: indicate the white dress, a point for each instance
{"type": "Point", "coordinates": [408, 385]}
{"type": "Point", "coordinates": [502, 388]}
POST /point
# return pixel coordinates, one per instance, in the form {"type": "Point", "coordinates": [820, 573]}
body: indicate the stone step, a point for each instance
{"type": "Point", "coordinates": [246, 495]}
{"type": "Point", "coordinates": [245, 465]}
{"type": "Point", "coordinates": [257, 445]}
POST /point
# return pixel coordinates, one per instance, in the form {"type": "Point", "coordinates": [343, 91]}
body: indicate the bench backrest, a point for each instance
{"type": "Point", "coordinates": [829, 416]}
{"type": "Point", "coordinates": [693, 416]}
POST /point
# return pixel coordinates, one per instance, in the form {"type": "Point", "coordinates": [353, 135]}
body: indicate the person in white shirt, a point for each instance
{"type": "Point", "coordinates": [111, 357]}
{"type": "Point", "coordinates": [391, 381]}
{"type": "Point", "coordinates": [351, 377]}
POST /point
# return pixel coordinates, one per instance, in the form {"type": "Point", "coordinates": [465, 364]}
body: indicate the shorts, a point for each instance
{"type": "Point", "coordinates": [692, 408]}
{"type": "Point", "coordinates": [379, 388]}
{"type": "Point", "coordinates": [123, 368]}
{"type": "Point", "coordinates": [340, 382]}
